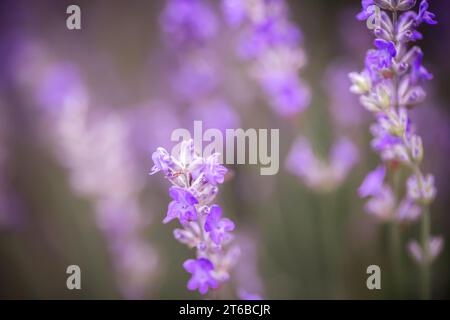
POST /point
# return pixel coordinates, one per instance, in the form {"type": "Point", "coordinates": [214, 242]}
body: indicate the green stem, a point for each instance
{"type": "Point", "coordinates": [396, 251]}
{"type": "Point", "coordinates": [425, 267]}
{"type": "Point", "coordinates": [395, 241]}
{"type": "Point", "coordinates": [329, 245]}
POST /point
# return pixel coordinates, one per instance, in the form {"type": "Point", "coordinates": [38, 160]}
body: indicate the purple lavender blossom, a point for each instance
{"type": "Point", "coordinates": [234, 11]}
{"type": "Point", "coordinates": [195, 182]}
{"type": "Point", "coordinates": [396, 73]}
{"type": "Point", "coordinates": [162, 162]}
{"type": "Point", "coordinates": [316, 173]}
{"type": "Point", "coordinates": [199, 71]}
{"type": "Point", "coordinates": [182, 206]}
{"type": "Point", "coordinates": [435, 247]}
{"type": "Point", "coordinates": [379, 61]}
{"type": "Point", "coordinates": [146, 135]}
{"type": "Point", "coordinates": [216, 114]}
{"type": "Point", "coordinates": [423, 192]}
{"type": "Point", "coordinates": [365, 12]}
{"type": "Point", "coordinates": [287, 93]}
{"type": "Point", "coordinates": [93, 147]}
{"type": "Point", "coordinates": [60, 83]}
{"type": "Point", "coordinates": [202, 279]}
{"type": "Point", "coordinates": [188, 21]}
{"type": "Point", "coordinates": [268, 33]}
{"type": "Point", "coordinates": [424, 15]}
{"type": "Point", "coordinates": [373, 182]}
{"type": "Point", "coordinates": [344, 155]}
{"type": "Point", "coordinates": [196, 76]}
{"type": "Point", "coordinates": [213, 170]}
{"type": "Point", "coordinates": [270, 43]}
{"type": "Point", "coordinates": [217, 227]}
{"type": "Point", "coordinates": [408, 211]}
{"type": "Point", "coordinates": [382, 204]}
{"type": "Point", "coordinates": [113, 188]}
{"type": "Point", "coordinates": [385, 143]}
{"type": "Point", "coordinates": [389, 86]}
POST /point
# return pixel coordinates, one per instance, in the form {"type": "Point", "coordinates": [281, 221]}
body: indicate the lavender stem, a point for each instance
{"type": "Point", "coordinates": [425, 267]}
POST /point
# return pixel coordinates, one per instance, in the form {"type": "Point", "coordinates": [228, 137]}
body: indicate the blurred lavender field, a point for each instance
{"type": "Point", "coordinates": [82, 111]}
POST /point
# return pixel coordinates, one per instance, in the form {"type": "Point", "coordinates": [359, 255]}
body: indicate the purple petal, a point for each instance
{"type": "Point", "coordinates": [190, 265]}
{"type": "Point", "coordinates": [192, 284]}
{"type": "Point", "coordinates": [373, 183]}
{"type": "Point", "coordinates": [172, 212]}
{"type": "Point", "coordinates": [205, 264]}
{"type": "Point", "coordinates": [227, 224]}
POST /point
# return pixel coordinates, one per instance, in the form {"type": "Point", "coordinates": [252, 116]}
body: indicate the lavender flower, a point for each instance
{"type": "Point", "coordinates": [198, 75]}
{"type": "Point", "coordinates": [389, 86]}
{"type": "Point", "coordinates": [215, 113]}
{"type": "Point", "coordinates": [390, 83]}
{"type": "Point", "coordinates": [435, 246]}
{"type": "Point", "coordinates": [373, 183]}
{"type": "Point", "coordinates": [182, 206]}
{"type": "Point", "coordinates": [102, 148]}
{"type": "Point", "coordinates": [188, 21]}
{"type": "Point", "coordinates": [195, 182]}
{"type": "Point", "coordinates": [196, 83]}
{"type": "Point", "coordinates": [383, 203]}
{"type": "Point", "coordinates": [217, 227]}
{"type": "Point", "coordinates": [317, 174]}
{"type": "Point", "coordinates": [93, 147]}
{"type": "Point", "coordinates": [271, 43]}
{"type": "Point", "coordinates": [202, 278]}
{"type": "Point", "coordinates": [421, 192]}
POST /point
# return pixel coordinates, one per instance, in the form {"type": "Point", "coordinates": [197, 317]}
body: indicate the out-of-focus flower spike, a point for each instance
{"type": "Point", "coordinates": [435, 247]}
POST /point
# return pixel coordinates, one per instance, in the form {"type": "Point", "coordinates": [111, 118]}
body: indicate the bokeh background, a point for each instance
{"type": "Point", "coordinates": [75, 189]}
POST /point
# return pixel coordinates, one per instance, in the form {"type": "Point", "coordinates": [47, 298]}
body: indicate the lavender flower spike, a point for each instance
{"type": "Point", "coordinates": [435, 247]}
{"type": "Point", "coordinates": [390, 85]}
{"type": "Point", "coordinates": [271, 43]}
{"type": "Point", "coordinates": [318, 174]}
{"type": "Point", "coordinates": [195, 182]}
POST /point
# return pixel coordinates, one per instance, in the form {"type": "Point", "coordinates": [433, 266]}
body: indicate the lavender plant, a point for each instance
{"type": "Point", "coordinates": [389, 86]}
{"type": "Point", "coordinates": [93, 146]}
{"type": "Point", "coordinates": [324, 178]}
{"type": "Point", "coordinates": [317, 174]}
{"type": "Point", "coordinates": [195, 183]}
{"type": "Point", "coordinates": [191, 28]}
{"type": "Point", "coordinates": [270, 42]}
{"type": "Point", "coordinates": [102, 168]}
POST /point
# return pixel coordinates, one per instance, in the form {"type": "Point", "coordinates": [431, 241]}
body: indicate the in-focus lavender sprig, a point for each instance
{"type": "Point", "coordinates": [194, 187]}
{"type": "Point", "coordinates": [389, 86]}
